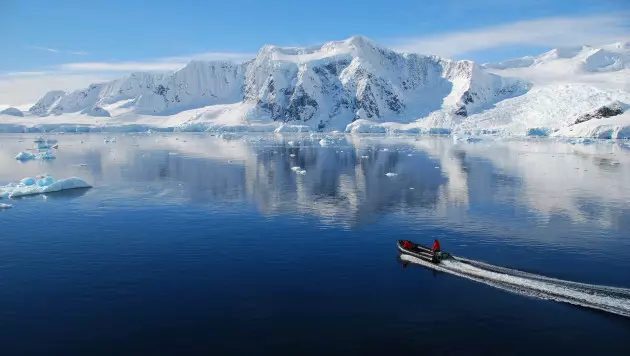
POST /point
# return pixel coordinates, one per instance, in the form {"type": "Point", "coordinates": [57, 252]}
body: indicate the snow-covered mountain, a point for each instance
{"type": "Point", "coordinates": [12, 111]}
{"type": "Point", "coordinates": [567, 85]}
{"type": "Point", "coordinates": [327, 86]}
{"type": "Point", "coordinates": [358, 86]}
{"type": "Point", "coordinates": [610, 58]}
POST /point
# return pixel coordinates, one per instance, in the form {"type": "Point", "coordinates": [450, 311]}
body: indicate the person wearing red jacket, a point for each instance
{"type": "Point", "coordinates": [436, 246]}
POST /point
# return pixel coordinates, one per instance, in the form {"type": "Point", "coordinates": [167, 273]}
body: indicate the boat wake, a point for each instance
{"type": "Point", "coordinates": [609, 299]}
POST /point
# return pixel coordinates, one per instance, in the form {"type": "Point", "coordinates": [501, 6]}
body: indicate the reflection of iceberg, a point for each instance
{"type": "Point", "coordinates": [41, 185]}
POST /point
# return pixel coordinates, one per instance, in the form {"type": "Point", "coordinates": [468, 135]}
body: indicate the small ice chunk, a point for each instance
{"type": "Point", "coordinates": [292, 155]}
{"type": "Point", "coordinates": [45, 155]}
{"type": "Point", "coordinates": [409, 155]}
{"type": "Point", "coordinates": [24, 156]}
{"type": "Point", "coordinates": [228, 136]}
{"type": "Point", "coordinates": [298, 170]}
{"type": "Point", "coordinates": [390, 174]}
{"type": "Point", "coordinates": [385, 149]}
{"type": "Point", "coordinates": [27, 181]}
{"type": "Point", "coordinates": [291, 143]}
{"type": "Point", "coordinates": [80, 165]}
{"type": "Point", "coordinates": [365, 156]}
{"type": "Point", "coordinates": [172, 153]}
{"type": "Point", "coordinates": [325, 142]}
{"type": "Point", "coordinates": [5, 206]}
{"type": "Point", "coordinates": [45, 181]}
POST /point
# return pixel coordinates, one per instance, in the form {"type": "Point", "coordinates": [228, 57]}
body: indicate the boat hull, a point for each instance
{"type": "Point", "coordinates": [422, 252]}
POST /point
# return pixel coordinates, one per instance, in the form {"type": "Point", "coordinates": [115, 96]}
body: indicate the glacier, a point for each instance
{"type": "Point", "coordinates": [354, 86]}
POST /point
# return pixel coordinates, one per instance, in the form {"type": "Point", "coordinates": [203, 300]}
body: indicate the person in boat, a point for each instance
{"type": "Point", "coordinates": [408, 245]}
{"type": "Point", "coordinates": [436, 246]}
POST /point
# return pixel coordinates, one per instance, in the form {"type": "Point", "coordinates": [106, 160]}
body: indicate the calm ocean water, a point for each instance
{"type": "Point", "coordinates": [195, 244]}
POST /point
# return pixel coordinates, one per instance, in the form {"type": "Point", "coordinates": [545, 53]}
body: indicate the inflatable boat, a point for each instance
{"type": "Point", "coordinates": [422, 252]}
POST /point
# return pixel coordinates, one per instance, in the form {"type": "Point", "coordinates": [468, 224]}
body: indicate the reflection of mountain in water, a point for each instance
{"type": "Point", "coordinates": [342, 183]}
{"type": "Point", "coordinates": [346, 183]}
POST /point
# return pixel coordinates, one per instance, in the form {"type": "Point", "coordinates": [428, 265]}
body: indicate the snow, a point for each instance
{"type": "Point", "coordinates": [353, 86]}
{"type": "Point", "coordinates": [41, 185]}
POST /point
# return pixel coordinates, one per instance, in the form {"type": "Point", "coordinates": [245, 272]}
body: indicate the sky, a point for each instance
{"type": "Point", "coordinates": [69, 44]}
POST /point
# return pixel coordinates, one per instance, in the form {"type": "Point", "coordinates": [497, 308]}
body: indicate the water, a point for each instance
{"type": "Point", "coordinates": [192, 244]}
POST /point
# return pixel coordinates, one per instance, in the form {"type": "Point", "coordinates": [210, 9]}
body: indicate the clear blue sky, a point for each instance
{"type": "Point", "coordinates": [117, 30]}
{"type": "Point", "coordinates": [40, 37]}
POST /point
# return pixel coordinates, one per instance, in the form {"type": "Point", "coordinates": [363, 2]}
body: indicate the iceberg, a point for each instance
{"type": "Point", "coordinates": [298, 170]}
{"type": "Point", "coordinates": [41, 185]}
{"type": "Point", "coordinates": [325, 142]}
{"type": "Point", "coordinates": [25, 156]}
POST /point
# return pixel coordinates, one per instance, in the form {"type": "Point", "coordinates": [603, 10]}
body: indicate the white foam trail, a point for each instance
{"type": "Point", "coordinates": [609, 299]}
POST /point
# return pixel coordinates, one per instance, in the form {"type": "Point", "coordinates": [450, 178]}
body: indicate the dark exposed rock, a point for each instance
{"type": "Point", "coordinates": [467, 98]}
{"type": "Point", "coordinates": [161, 90]}
{"type": "Point", "coordinates": [601, 112]}
{"type": "Point", "coordinates": [462, 111]}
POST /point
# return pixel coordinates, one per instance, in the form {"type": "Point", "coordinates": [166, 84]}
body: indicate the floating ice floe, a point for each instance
{"type": "Point", "coordinates": [469, 139]}
{"type": "Point", "coordinates": [292, 129]}
{"type": "Point", "coordinates": [41, 185]}
{"type": "Point", "coordinates": [228, 136]}
{"type": "Point", "coordinates": [390, 174]}
{"type": "Point", "coordinates": [325, 142]}
{"type": "Point", "coordinates": [25, 156]}
{"type": "Point", "coordinates": [298, 170]}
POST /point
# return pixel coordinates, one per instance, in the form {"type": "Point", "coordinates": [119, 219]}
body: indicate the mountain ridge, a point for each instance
{"type": "Point", "coordinates": [331, 85]}
{"type": "Point", "coordinates": [356, 85]}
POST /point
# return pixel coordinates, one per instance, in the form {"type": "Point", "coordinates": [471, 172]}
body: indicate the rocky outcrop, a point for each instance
{"type": "Point", "coordinates": [613, 109]}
